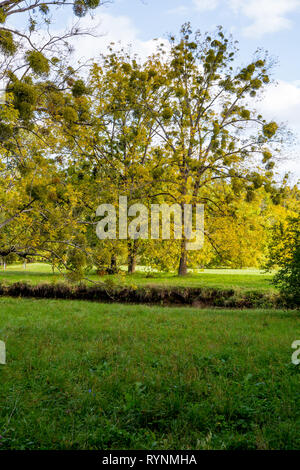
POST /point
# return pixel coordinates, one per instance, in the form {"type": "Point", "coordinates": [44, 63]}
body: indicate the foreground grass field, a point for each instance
{"type": "Point", "coordinates": [220, 278]}
{"type": "Point", "coordinates": [83, 375]}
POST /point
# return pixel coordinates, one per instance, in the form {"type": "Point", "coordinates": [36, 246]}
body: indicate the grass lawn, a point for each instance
{"type": "Point", "coordinates": [248, 279]}
{"type": "Point", "coordinates": [83, 375]}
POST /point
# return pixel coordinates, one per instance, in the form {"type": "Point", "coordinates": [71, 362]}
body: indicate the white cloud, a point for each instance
{"type": "Point", "coordinates": [267, 16]}
{"type": "Point", "coordinates": [203, 5]}
{"type": "Point", "coordinates": [178, 10]}
{"type": "Point", "coordinates": [106, 29]}
{"type": "Point", "coordinates": [281, 102]}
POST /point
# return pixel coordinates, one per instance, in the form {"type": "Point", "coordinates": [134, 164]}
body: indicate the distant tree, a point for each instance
{"type": "Point", "coordinates": [208, 129]}
{"type": "Point", "coordinates": [116, 149]}
{"type": "Point", "coordinates": [284, 254]}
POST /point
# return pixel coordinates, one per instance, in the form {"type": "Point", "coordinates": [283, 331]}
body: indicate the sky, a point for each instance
{"type": "Point", "coordinates": [272, 25]}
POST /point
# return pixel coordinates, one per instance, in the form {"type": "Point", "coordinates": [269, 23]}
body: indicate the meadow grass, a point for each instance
{"type": "Point", "coordinates": [246, 279]}
{"type": "Point", "coordinates": [84, 375]}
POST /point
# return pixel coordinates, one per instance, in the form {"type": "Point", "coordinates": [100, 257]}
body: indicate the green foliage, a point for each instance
{"type": "Point", "coordinates": [37, 59]}
{"type": "Point", "coordinates": [37, 191]}
{"type": "Point", "coordinates": [38, 62]}
{"type": "Point", "coordinates": [69, 114]}
{"type": "Point", "coordinates": [44, 8]}
{"type": "Point", "coordinates": [167, 113]}
{"type": "Point", "coordinates": [5, 131]}
{"type": "Point", "coordinates": [284, 253]}
{"type": "Point", "coordinates": [7, 43]}
{"type": "Point", "coordinates": [2, 17]}
{"type": "Point", "coordinates": [76, 258]}
{"type": "Point", "coordinates": [270, 129]}
{"type": "Point", "coordinates": [79, 88]}
{"type": "Point", "coordinates": [81, 7]}
{"type": "Point", "coordinates": [92, 3]}
{"type": "Point", "coordinates": [25, 97]}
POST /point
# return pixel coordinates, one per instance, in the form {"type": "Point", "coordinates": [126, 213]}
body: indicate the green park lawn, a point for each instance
{"type": "Point", "coordinates": [250, 279]}
{"type": "Point", "coordinates": [83, 375]}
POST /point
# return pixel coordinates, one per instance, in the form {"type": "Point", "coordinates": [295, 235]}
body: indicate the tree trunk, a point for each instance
{"type": "Point", "coordinates": [182, 271]}
{"type": "Point", "coordinates": [113, 265]}
{"type": "Point", "coordinates": [132, 249]}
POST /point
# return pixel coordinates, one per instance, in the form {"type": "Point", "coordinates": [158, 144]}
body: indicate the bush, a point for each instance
{"type": "Point", "coordinates": [284, 253]}
{"type": "Point", "coordinates": [189, 296]}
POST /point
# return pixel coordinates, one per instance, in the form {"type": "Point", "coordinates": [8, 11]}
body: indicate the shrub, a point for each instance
{"type": "Point", "coordinates": [109, 292]}
{"type": "Point", "coordinates": [284, 253]}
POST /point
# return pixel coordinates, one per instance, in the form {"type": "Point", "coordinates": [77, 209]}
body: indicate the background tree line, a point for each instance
{"type": "Point", "coordinates": [180, 127]}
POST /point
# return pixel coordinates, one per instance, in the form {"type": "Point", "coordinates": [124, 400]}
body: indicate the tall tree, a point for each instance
{"type": "Point", "coordinates": [207, 126]}
{"type": "Point", "coordinates": [34, 110]}
{"type": "Point", "coordinates": [117, 148]}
